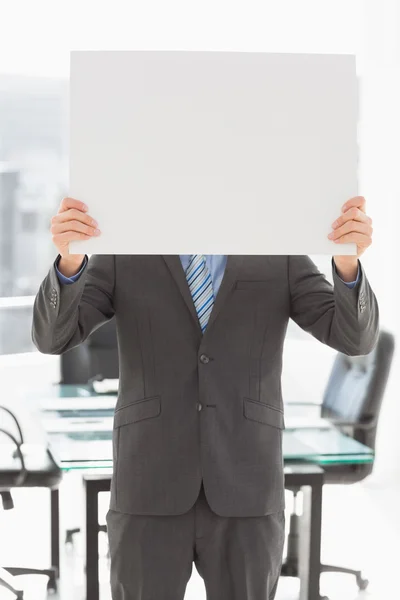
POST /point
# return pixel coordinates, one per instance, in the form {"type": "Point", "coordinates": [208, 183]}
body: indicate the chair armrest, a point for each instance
{"type": "Point", "coordinates": [14, 418]}
{"type": "Point", "coordinates": [23, 473]}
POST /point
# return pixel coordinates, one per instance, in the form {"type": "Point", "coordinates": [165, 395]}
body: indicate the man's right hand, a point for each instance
{"type": "Point", "coordinates": [71, 223]}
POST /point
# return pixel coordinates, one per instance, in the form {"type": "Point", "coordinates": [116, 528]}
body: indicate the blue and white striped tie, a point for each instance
{"type": "Point", "coordinates": [200, 285]}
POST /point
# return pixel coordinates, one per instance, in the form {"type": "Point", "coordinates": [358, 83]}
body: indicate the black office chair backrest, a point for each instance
{"type": "Point", "coordinates": [356, 388]}
{"type": "Point", "coordinates": [97, 357]}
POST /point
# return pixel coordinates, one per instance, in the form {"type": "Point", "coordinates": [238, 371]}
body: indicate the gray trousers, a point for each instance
{"type": "Point", "coordinates": [239, 558]}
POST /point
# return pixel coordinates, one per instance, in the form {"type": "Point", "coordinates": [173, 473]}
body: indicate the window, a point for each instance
{"type": "Point", "coordinates": [33, 178]}
{"type": "Point", "coordinates": [29, 221]}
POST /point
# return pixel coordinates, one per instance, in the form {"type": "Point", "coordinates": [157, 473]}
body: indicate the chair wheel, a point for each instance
{"type": "Point", "coordinates": [362, 583]}
{"type": "Point", "coordinates": [52, 585]}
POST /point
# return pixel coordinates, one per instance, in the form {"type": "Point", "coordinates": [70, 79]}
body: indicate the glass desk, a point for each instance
{"type": "Point", "coordinates": [79, 424]}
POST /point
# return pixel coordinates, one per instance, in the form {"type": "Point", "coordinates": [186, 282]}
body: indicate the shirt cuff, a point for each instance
{"type": "Point", "coordinates": [350, 284]}
{"type": "Point", "coordinates": [68, 280]}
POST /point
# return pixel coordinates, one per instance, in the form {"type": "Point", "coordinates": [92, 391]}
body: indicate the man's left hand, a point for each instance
{"type": "Point", "coordinates": [353, 226]}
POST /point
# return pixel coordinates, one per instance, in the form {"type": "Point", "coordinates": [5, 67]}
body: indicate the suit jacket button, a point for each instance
{"type": "Point", "coordinates": [199, 406]}
{"type": "Point", "coordinates": [204, 359]}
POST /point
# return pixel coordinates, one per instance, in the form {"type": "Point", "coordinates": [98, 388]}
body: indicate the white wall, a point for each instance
{"type": "Point", "coordinates": [379, 62]}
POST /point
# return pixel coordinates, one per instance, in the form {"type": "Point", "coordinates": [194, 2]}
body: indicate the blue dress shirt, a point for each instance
{"type": "Point", "coordinates": [216, 264]}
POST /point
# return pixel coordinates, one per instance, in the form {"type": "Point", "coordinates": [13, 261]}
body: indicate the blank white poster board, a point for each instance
{"type": "Point", "coordinates": [213, 152]}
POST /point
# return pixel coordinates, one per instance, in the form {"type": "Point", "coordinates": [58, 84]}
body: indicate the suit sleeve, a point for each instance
{"type": "Point", "coordinates": [345, 318]}
{"type": "Point", "coordinates": [65, 315]}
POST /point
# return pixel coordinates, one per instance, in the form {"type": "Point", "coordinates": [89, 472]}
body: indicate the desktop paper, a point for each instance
{"type": "Point", "coordinates": [213, 152]}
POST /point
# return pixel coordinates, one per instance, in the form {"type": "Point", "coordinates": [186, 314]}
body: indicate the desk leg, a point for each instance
{"type": "Point", "coordinates": [310, 542]}
{"type": "Point", "coordinates": [55, 530]}
{"type": "Point", "coordinates": [92, 540]}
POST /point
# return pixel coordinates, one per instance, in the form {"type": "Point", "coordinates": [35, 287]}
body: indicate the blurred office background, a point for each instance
{"type": "Point", "coordinates": [35, 40]}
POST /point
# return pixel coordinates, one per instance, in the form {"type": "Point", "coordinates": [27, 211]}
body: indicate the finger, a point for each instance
{"type": "Point", "coordinates": [74, 226]}
{"type": "Point", "coordinates": [348, 227]}
{"type": "Point", "coordinates": [73, 214]}
{"type": "Point", "coordinates": [357, 238]}
{"type": "Point", "coordinates": [68, 203]}
{"type": "Point", "coordinates": [357, 201]}
{"type": "Point", "coordinates": [352, 214]}
{"type": "Point", "coordinates": [69, 236]}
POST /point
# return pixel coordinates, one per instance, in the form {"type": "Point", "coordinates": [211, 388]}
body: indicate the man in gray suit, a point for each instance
{"type": "Point", "coordinates": [198, 467]}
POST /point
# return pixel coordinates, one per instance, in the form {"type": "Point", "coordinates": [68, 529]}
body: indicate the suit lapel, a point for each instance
{"type": "Point", "coordinates": [231, 270]}
{"type": "Point", "coordinates": [175, 266]}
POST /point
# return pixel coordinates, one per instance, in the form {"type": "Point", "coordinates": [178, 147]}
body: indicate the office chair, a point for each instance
{"type": "Point", "coordinates": [95, 359]}
{"type": "Point", "coordinates": [26, 467]}
{"type": "Point", "coordinates": [352, 401]}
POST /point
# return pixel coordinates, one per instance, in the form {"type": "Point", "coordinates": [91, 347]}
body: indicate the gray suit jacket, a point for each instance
{"type": "Point", "coordinates": [194, 407]}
